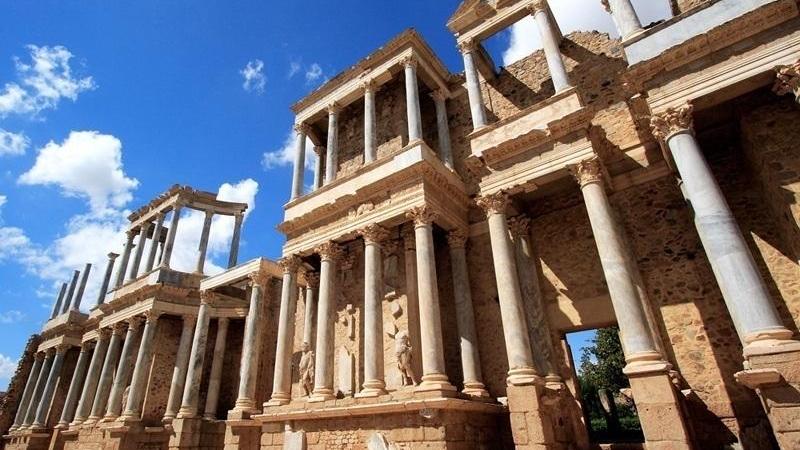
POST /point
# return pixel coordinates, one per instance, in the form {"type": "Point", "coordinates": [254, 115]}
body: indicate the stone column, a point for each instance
{"type": "Point", "coordinates": [233, 257]}
{"type": "Point", "coordinates": [318, 174]}
{"type": "Point", "coordinates": [249, 364]}
{"type": "Point", "coordinates": [512, 311]}
{"type": "Point", "coordinates": [76, 385]}
{"type": "Point", "coordinates": [126, 255]}
{"type": "Point", "coordinates": [70, 292]}
{"type": "Point", "coordinates": [312, 285]}
{"type": "Point", "coordinates": [332, 154]}
{"type": "Point", "coordinates": [551, 42]}
{"type": "Point", "coordinates": [434, 376]}
{"type": "Point", "coordinates": [41, 383]}
{"type": "Point", "coordinates": [107, 374]}
{"type": "Point", "coordinates": [194, 374]}
{"type": "Point", "coordinates": [50, 387]}
{"type": "Point", "coordinates": [123, 373]}
{"type": "Point", "coordinates": [412, 99]}
{"type": "Point", "coordinates": [329, 253]}
{"type": "Point", "coordinates": [370, 137]}
{"type": "Point", "coordinates": [133, 409]}
{"type": "Point", "coordinates": [468, 49]}
{"type": "Point", "coordinates": [137, 258]}
{"type": "Point", "coordinates": [301, 131]}
{"type": "Point", "coordinates": [282, 379]}
{"type": "Point", "coordinates": [788, 80]}
{"type": "Point", "coordinates": [166, 254]}
{"type": "Point", "coordinates": [101, 296]}
{"type": "Point", "coordinates": [57, 306]}
{"type": "Point", "coordinates": [410, 260]}
{"type": "Point", "coordinates": [179, 368]}
{"type": "Point", "coordinates": [30, 386]}
{"type": "Point", "coordinates": [465, 316]}
{"type": "Point", "coordinates": [624, 16]}
{"type": "Point", "coordinates": [76, 302]}
{"type": "Point", "coordinates": [92, 377]}
{"type": "Point", "coordinates": [154, 242]}
{"type": "Point", "coordinates": [443, 127]}
{"type": "Point", "coordinates": [202, 248]}
{"type": "Point", "coordinates": [374, 382]}
{"type": "Point", "coordinates": [215, 379]}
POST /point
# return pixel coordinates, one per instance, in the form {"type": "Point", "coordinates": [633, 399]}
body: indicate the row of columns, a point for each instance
{"type": "Point", "coordinates": [69, 298]}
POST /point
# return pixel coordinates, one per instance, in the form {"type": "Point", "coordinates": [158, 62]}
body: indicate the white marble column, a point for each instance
{"type": "Point", "coordinates": [468, 49]}
{"type": "Point", "coordinates": [443, 128]}
{"type": "Point", "coordinates": [413, 112]}
{"type": "Point", "coordinates": [374, 382]}
{"type": "Point", "coordinates": [155, 241]}
{"type": "Point", "coordinates": [465, 316]}
{"type": "Point", "coordinates": [215, 378]}
{"type": "Point", "coordinates": [137, 258]}
{"type": "Point", "coordinates": [370, 122]}
{"type": "Point", "coordinates": [434, 374]}
{"type": "Point", "coordinates": [73, 284]}
{"type": "Point", "coordinates": [312, 287]}
{"type": "Point", "coordinates": [410, 263]}
{"type": "Point", "coordinates": [250, 345]}
{"type": "Point", "coordinates": [141, 369]}
{"type": "Point", "coordinates": [126, 256]}
{"type": "Point", "coordinates": [76, 385]}
{"type": "Point", "coordinates": [329, 253]}
{"type": "Point", "coordinates": [298, 175]}
{"type": "Point", "coordinates": [746, 295]}
{"type": "Point", "coordinates": [282, 380]}
{"type": "Point", "coordinates": [512, 311]}
{"type": "Point", "coordinates": [27, 393]}
{"type": "Point", "coordinates": [202, 248]}
{"type": "Point", "coordinates": [788, 80]}
{"type": "Point", "coordinates": [166, 255]}
{"type": "Point", "coordinates": [194, 374]}
{"type": "Point", "coordinates": [107, 374]}
{"type": "Point", "coordinates": [624, 16]}
{"type": "Point", "coordinates": [101, 296]}
{"type": "Point", "coordinates": [76, 302]}
{"type": "Point", "coordinates": [332, 152]}
{"type": "Point", "coordinates": [92, 377]}
{"type": "Point", "coordinates": [57, 306]}
{"type": "Point", "coordinates": [179, 368]}
{"type": "Point", "coordinates": [43, 408]}
{"type": "Point", "coordinates": [123, 373]}
{"type": "Point", "coordinates": [318, 174]}
{"type": "Point", "coordinates": [41, 383]}
{"type": "Point", "coordinates": [233, 256]}
{"type": "Point", "coordinates": [551, 42]}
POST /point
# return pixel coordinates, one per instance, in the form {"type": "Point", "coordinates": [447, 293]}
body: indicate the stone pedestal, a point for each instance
{"type": "Point", "coordinates": [658, 407]}
{"type": "Point", "coordinates": [242, 435]}
{"type": "Point", "coordinates": [185, 433]}
{"type": "Point", "coordinates": [531, 424]}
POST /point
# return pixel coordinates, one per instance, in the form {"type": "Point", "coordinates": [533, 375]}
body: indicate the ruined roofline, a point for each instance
{"type": "Point", "coordinates": [190, 197]}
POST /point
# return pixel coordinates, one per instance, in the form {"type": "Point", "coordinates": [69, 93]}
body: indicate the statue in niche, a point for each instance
{"type": "Point", "coordinates": [307, 369]}
{"type": "Point", "coordinates": [404, 355]}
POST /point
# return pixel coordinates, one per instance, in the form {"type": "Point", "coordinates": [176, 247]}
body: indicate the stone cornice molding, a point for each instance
{"type": "Point", "coordinates": [179, 196]}
{"type": "Point", "coordinates": [519, 226]}
{"type": "Point", "coordinates": [329, 251]}
{"type": "Point", "coordinates": [373, 234]}
{"type": "Point", "coordinates": [289, 264]}
{"type": "Point", "coordinates": [788, 80]}
{"type": "Point", "coordinates": [673, 120]}
{"type": "Point", "coordinates": [496, 203]}
{"type": "Point", "coordinates": [422, 215]}
{"type": "Point", "coordinates": [587, 171]}
{"type": "Point", "coordinates": [457, 238]}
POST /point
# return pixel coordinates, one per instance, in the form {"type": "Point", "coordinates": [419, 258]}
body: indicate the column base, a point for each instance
{"type": "Point", "coordinates": [244, 404]}
{"type": "Point", "coordinates": [109, 418]}
{"type": "Point", "coordinates": [435, 382]}
{"type": "Point", "coordinates": [770, 343]}
{"type": "Point", "coordinates": [321, 395]}
{"type": "Point", "coordinates": [475, 389]}
{"type": "Point", "coordinates": [278, 399]}
{"type": "Point", "coordinates": [61, 425]}
{"type": "Point", "coordinates": [129, 417]}
{"type": "Point", "coordinates": [372, 388]}
{"type": "Point", "coordinates": [523, 376]}
{"type": "Point", "coordinates": [187, 412]}
{"type": "Point", "coordinates": [77, 422]}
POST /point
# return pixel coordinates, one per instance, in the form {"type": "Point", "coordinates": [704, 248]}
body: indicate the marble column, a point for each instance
{"type": "Point", "coordinates": [298, 175]}
{"type": "Point", "coordinates": [73, 284]}
{"type": "Point", "coordinates": [410, 263]}
{"type": "Point", "coordinates": [215, 379]}
{"type": "Point", "coordinates": [746, 295]}
{"type": "Point", "coordinates": [27, 393]}
{"type": "Point", "coordinates": [413, 112]}
{"type": "Point", "coordinates": [468, 49]}
{"type": "Point", "coordinates": [788, 80]}
{"type": "Point", "coordinates": [123, 373]}
{"type": "Point", "coordinates": [443, 127]}
{"type": "Point", "coordinates": [166, 253]}
{"type": "Point", "coordinates": [233, 256]}
{"type": "Point", "coordinates": [141, 369]}
{"type": "Point", "coordinates": [107, 374]}
{"type": "Point", "coordinates": [329, 253]}
{"type": "Point", "coordinates": [624, 16]}
{"type": "Point", "coordinates": [155, 241]}
{"type": "Point", "coordinates": [434, 375]}
{"type": "Point", "coordinates": [92, 377]}
{"type": "Point", "coordinates": [318, 174]}
{"type": "Point", "coordinates": [41, 382]}
{"type": "Point", "coordinates": [137, 257]}
{"type": "Point", "coordinates": [194, 374]}
{"type": "Point", "coordinates": [332, 153]}
{"type": "Point", "coordinates": [126, 256]}
{"type": "Point", "coordinates": [202, 248]}
{"type": "Point", "coordinates": [312, 286]}
{"type": "Point", "coordinates": [512, 311]}
{"type": "Point", "coordinates": [374, 382]}
{"type": "Point", "coordinates": [370, 122]}
{"type": "Point", "coordinates": [101, 296]}
{"type": "Point", "coordinates": [282, 379]}
{"type": "Point", "coordinates": [250, 345]}
{"type": "Point", "coordinates": [76, 302]}
{"type": "Point", "coordinates": [465, 316]}
{"type": "Point", "coordinates": [179, 368]}
{"type": "Point", "coordinates": [551, 42]}
{"type": "Point", "coordinates": [50, 387]}
{"type": "Point", "coordinates": [76, 385]}
{"type": "Point", "coordinates": [57, 306]}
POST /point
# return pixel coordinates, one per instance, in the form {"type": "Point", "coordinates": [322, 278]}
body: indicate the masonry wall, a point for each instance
{"type": "Point", "coordinates": [9, 403]}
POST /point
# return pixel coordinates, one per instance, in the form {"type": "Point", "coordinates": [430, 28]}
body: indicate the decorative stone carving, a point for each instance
{"type": "Point", "coordinates": [289, 264]}
{"type": "Point", "coordinates": [494, 203]}
{"type": "Point", "coordinates": [457, 238]}
{"type": "Point", "coordinates": [312, 279]}
{"type": "Point", "coordinates": [118, 328]}
{"type": "Point", "coordinates": [404, 354]}
{"type": "Point", "coordinates": [588, 171]}
{"type": "Point", "coordinates": [422, 215]}
{"type": "Point", "coordinates": [151, 316]}
{"type": "Point", "coordinates": [788, 80]}
{"type": "Point", "coordinates": [519, 226]}
{"type": "Point", "coordinates": [307, 369]}
{"type": "Point", "coordinates": [467, 46]}
{"type": "Point", "coordinates": [330, 251]}
{"type": "Point", "coordinates": [302, 128]}
{"type": "Point", "coordinates": [258, 278]}
{"type": "Point", "coordinates": [134, 323]}
{"type": "Point", "coordinates": [537, 5]}
{"type": "Point", "coordinates": [672, 121]}
{"type": "Point", "coordinates": [103, 334]}
{"type": "Point", "coordinates": [374, 233]}
{"type": "Point", "coordinates": [333, 108]}
{"type": "Point", "coordinates": [206, 297]}
{"type": "Point", "coordinates": [409, 60]}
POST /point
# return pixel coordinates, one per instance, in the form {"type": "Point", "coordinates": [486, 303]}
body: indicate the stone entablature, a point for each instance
{"type": "Point", "coordinates": [188, 197]}
{"type": "Point", "coordinates": [479, 20]}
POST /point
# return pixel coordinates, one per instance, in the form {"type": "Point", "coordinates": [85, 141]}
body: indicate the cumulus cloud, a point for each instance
{"type": "Point", "coordinates": [12, 316]}
{"type": "Point", "coordinates": [87, 164]}
{"type": "Point", "coordinates": [254, 78]}
{"type": "Point", "coordinates": [42, 82]}
{"type": "Point", "coordinates": [284, 156]}
{"type": "Point", "coordinates": [7, 368]}
{"type": "Point", "coordinates": [13, 144]}
{"type": "Point", "coordinates": [313, 73]}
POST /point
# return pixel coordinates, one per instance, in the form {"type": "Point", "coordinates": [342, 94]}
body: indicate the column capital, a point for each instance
{"type": "Point", "coordinates": [130, 234]}
{"type": "Point", "coordinates": [329, 251]}
{"type": "Point", "coordinates": [39, 356]}
{"type": "Point", "coordinates": [62, 348]}
{"type": "Point", "coordinates": [537, 5]}
{"type": "Point", "coordinates": [135, 322]}
{"type": "Point", "coordinates": [333, 108]}
{"type": "Point", "coordinates": [103, 334]}
{"type": "Point", "coordinates": [312, 279]}
{"type": "Point", "coordinates": [438, 96]}
{"type": "Point", "coordinates": [587, 171]}
{"type": "Point", "coordinates": [50, 351]}
{"type": "Point", "coordinates": [409, 239]}
{"type": "Point", "coordinates": [369, 85]}
{"type": "Point", "coordinates": [467, 46]}
{"type": "Point", "coordinates": [118, 329]}
{"type": "Point", "coordinates": [318, 149]}
{"type": "Point", "coordinates": [496, 203]}
{"type": "Point", "coordinates": [189, 320]}
{"type": "Point", "coordinates": [422, 215]}
{"type": "Point", "coordinates": [409, 61]}
{"type": "Point", "coordinates": [258, 278]}
{"type": "Point", "coordinates": [112, 256]}
{"type": "Point", "coordinates": [206, 297]}
{"type": "Point", "coordinates": [151, 316]}
{"type": "Point", "coordinates": [606, 5]}
{"type": "Point", "coordinates": [787, 79]}
{"type": "Point", "coordinates": [87, 345]}
{"type": "Point", "coordinates": [301, 128]}
{"type": "Point", "coordinates": [373, 234]}
{"type": "Point", "coordinates": [457, 238]}
{"type": "Point", "coordinates": [673, 120]}
{"type": "Point", "coordinates": [289, 263]}
{"type": "Point", "coordinates": [519, 226]}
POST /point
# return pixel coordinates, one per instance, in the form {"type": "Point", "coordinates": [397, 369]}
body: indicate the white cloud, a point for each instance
{"type": "Point", "coordinates": [294, 69]}
{"type": "Point", "coordinates": [86, 164]}
{"type": "Point", "coordinates": [313, 73]}
{"type": "Point", "coordinates": [284, 157]}
{"type": "Point", "coordinates": [46, 79]}
{"type": "Point", "coordinates": [7, 368]}
{"type": "Point", "coordinates": [3, 200]}
{"type": "Point", "coordinates": [13, 144]}
{"type": "Point", "coordinates": [12, 316]}
{"type": "Point", "coordinates": [254, 79]}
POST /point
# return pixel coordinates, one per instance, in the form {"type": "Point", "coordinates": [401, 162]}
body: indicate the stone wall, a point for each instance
{"type": "Point", "coordinates": [165, 351]}
{"type": "Point", "coordinates": [681, 6]}
{"type": "Point", "coordinates": [13, 394]}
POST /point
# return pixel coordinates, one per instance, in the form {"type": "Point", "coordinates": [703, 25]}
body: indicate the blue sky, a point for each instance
{"type": "Point", "coordinates": [104, 105]}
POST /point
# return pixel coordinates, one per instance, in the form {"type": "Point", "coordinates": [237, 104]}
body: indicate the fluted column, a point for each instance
{"type": "Point", "coordinates": [123, 373]}
{"type": "Point", "coordinates": [92, 377]}
{"type": "Point", "coordinates": [202, 248]}
{"type": "Point", "coordinates": [215, 379]}
{"type": "Point", "coordinates": [179, 368]}
{"type": "Point", "coordinates": [624, 15]}
{"type": "Point", "coordinates": [467, 49]}
{"type": "Point", "coordinates": [141, 369]}
{"type": "Point", "coordinates": [137, 257]}
{"type": "Point", "coordinates": [329, 253]}
{"type": "Point", "coordinates": [101, 296]}
{"type": "Point", "coordinates": [370, 135]}
{"type": "Point", "coordinates": [166, 255]}
{"type": "Point", "coordinates": [434, 375]}
{"type": "Point", "coordinates": [374, 382]}
{"type": "Point", "coordinates": [298, 175]}
{"type": "Point", "coordinates": [107, 374]}
{"type": "Point", "coordinates": [73, 284]}
{"type": "Point", "coordinates": [233, 256]}
{"type": "Point", "coordinates": [194, 374]}
{"type": "Point", "coordinates": [250, 345]}
{"type": "Point", "coordinates": [312, 287]}
{"type": "Point", "coordinates": [551, 42]}
{"type": "Point", "coordinates": [443, 128]}
{"type": "Point", "coordinates": [76, 302]}
{"type": "Point", "coordinates": [332, 153]}
{"type": "Point", "coordinates": [465, 316]}
{"type": "Point", "coordinates": [512, 312]}
{"type": "Point", "coordinates": [318, 174]}
{"type": "Point", "coordinates": [27, 393]}
{"type": "Point", "coordinates": [282, 379]}
{"type": "Point", "coordinates": [57, 306]}
{"type": "Point", "coordinates": [41, 383]}
{"type": "Point", "coordinates": [50, 387]}
{"type": "Point", "coordinates": [76, 385]}
{"type": "Point", "coordinates": [788, 80]}
{"type": "Point", "coordinates": [154, 242]}
{"type": "Point", "coordinates": [412, 99]}
{"type": "Point", "coordinates": [126, 256]}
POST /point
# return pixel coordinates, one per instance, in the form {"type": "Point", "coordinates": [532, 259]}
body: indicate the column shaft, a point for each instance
{"type": "Point", "coordinates": [133, 409]}
{"type": "Point", "coordinates": [332, 153]}
{"type": "Point", "coordinates": [27, 393]}
{"type": "Point", "coordinates": [101, 296]}
{"type": "Point", "coordinates": [318, 174]}
{"type": "Point", "coordinates": [233, 257]}
{"type": "Point", "coordinates": [624, 16]}
{"type": "Point", "coordinates": [137, 257]}
{"type": "Point", "coordinates": [70, 292]}
{"type": "Point", "coordinates": [107, 374]}
{"type": "Point", "coordinates": [473, 86]}
{"type": "Point", "coordinates": [191, 390]}
{"type": "Point", "coordinates": [166, 254]}
{"type": "Point", "coordinates": [370, 136]}
{"type": "Point", "coordinates": [412, 101]}
{"type": "Point", "coordinates": [92, 377]}
{"type": "Point", "coordinates": [123, 373]}
{"type": "Point", "coordinates": [374, 383]}
{"type": "Point", "coordinates": [552, 49]}
{"type": "Point", "coordinates": [75, 386]}
{"type": "Point", "coordinates": [212, 397]}
{"type": "Point", "coordinates": [76, 302]}
{"type": "Point", "coordinates": [311, 306]}
{"type": "Point", "coordinates": [57, 306]}
{"type": "Point", "coordinates": [50, 387]}
{"type": "Point", "coordinates": [126, 256]}
{"type": "Point", "coordinates": [250, 355]}
{"type": "Point", "coordinates": [323, 372]}
{"type": "Point", "coordinates": [41, 382]}
{"type": "Point", "coordinates": [410, 257]}
{"type": "Point", "coordinates": [299, 161]}
{"type": "Point", "coordinates": [281, 386]}
{"type": "Point", "coordinates": [203, 246]}
{"type": "Point", "coordinates": [443, 127]}
{"type": "Point", "coordinates": [154, 242]}
{"type": "Point", "coordinates": [179, 368]}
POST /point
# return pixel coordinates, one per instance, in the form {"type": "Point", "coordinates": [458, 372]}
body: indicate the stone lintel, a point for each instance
{"type": "Point", "coordinates": [488, 20]}
{"type": "Point", "coordinates": [185, 196]}
{"type": "Point", "coordinates": [757, 378]}
{"type": "Point", "coordinates": [241, 272]}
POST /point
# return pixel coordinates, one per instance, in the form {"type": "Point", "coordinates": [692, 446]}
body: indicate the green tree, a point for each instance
{"type": "Point", "coordinates": [603, 361]}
